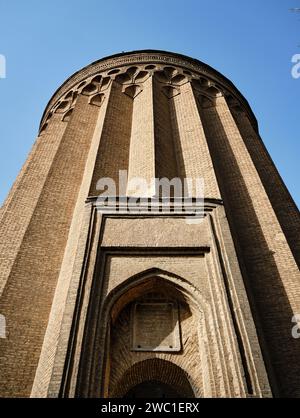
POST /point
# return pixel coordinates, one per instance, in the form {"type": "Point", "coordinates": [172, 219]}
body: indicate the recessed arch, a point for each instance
{"type": "Point", "coordinates": [205, 101]}
{"type": "Point", "coordinates": [170, 71]}
{"type": "Point", "coordinates": [170, 91]}
{"type": "Point", "coordinates": [150, 67]}
{"type": "Point", "coordinates": [133, 90]}
{"type": "Point", "coordinates": [67, 116]}
{"type": "Point", "coordinates": [97, 79]}
{"type": "Point", "coordinates": [105, 83]}
{"type": "Point", "coordinates": [89, 89]}
{"type": "Point", "coordinates": [63, 106]}
{"type": "Point", "coordinates": [179, 79]}
{"type": "Point", "coordinates": [157, 371]}
{"type": "Point", "coordinates": [97, 100]}
{"type": "Point", "coordinates": [119, 302]}
{"type": "Point", "coordinates": [141, 76]}
{"type": "Point", "coordinates": [112, 72]}
{"type": "Point", "coordinates": [123, 78]}
{"type": "Point", "coordinates": [214, 91]}
{"type": "Point", "coordinates": [190, 292]}
{"type": "Point", "coordinates": [132, 71]}
{"type": "Point", "coordinates": [69, 95]}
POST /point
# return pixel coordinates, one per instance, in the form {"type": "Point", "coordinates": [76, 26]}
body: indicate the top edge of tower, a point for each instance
{"type": "Point", "coordinates": [140, 57]}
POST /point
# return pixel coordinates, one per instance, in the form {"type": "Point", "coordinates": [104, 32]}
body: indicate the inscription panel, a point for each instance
{"type": "Point", "coordinates": [155, 327]}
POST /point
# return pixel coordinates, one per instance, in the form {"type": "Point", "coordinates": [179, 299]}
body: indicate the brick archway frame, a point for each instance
{"type": "Point", "coordinates": [154, 369]}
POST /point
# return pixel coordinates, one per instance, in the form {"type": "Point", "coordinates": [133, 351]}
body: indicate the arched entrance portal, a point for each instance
{"type": "Point", "coordinates": [153, 341]}
{"type": "Point", "coordinates": [154, 378]}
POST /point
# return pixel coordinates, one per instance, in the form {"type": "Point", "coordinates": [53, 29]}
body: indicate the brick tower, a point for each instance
{"type": "Point", "coordinates": [102, 301]}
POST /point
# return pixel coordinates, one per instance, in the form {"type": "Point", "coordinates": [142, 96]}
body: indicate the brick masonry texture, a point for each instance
{"type": "Point", "coordinates": [70, 275]}
{"type": "Point", "coordinates": [36, 267]}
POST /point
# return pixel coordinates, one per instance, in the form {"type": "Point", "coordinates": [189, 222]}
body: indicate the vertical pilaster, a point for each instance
{"type": "Point", "coordinates": [142, 142]}
{"type": "Point", "coordinates": [113, 153]}
{"type": "Point", "coordinates": [32, 277]}
{"type": "Point", "coordinates": [167, 160]}
{"type": "Point", "coordinates": [192, 142]}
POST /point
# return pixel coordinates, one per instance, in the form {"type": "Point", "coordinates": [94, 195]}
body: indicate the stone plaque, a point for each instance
{"type": "Point", "coordinates": [155, 327]}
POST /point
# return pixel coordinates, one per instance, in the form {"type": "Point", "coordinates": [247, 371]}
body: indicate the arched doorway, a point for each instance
{"type": "Point", "coordinates": [154, 378]}
{"type": "Point", "coordinates": [152, 389]}
{"type": "Point", "coordinates": [154, 321]}
{"type": "Point", "coordinates": [179, 342]}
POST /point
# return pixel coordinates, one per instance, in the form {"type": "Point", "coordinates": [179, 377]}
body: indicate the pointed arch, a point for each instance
{"type": "Point", "coordinates": [155, 370]}
{"type": "Point", "coordinates": [140, 284]}
{"type": "Point", "coordinates": [189, 291]}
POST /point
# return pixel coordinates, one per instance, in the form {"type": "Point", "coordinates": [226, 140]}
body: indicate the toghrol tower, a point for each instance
{"type": "Point", "coordinates": [120, 297]}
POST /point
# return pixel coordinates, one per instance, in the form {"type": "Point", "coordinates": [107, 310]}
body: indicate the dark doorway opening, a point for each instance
{"type": "Point", "coordinates": [152, 389]}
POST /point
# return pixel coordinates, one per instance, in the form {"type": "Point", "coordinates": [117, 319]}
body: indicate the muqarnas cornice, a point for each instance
{"type": "Point", "coordinates": [131, 69]}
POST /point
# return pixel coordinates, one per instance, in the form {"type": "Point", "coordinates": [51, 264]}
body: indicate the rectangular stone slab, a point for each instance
{"type": "Point", "coordinates": [155, 327]}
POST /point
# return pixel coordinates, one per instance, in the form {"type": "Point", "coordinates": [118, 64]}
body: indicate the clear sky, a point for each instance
{"type": "Point", "coordinates": [251, 43]}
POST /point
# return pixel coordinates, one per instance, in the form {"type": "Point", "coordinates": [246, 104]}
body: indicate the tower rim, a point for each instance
{"type": "Point", "coordinates": [107, 62]}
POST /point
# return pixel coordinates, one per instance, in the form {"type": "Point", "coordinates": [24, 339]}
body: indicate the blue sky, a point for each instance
{"type": "Point", "coordinates": [252, 43]}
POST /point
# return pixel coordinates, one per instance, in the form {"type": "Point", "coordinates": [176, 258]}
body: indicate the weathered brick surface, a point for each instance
{"type": "Point", "coordinates": [113, 153]}
{"type": "Point", "coordinates": [142, 148]}
{"type": "Point", "coordinates": [27, 297]}
{"type": "Point", "coordinates": [165, 143]}
{"type": "Point", "coordinates": [271, 275]}
{"type": "Point", "coordinates": [21, 202]}
{"type": "Point", "coordinates": [122, 358]}
{"type": "Point", "coordinates": [70, 273]}
{"type": "Point", "coordinates": [280, 198]}
{"type": "Point", "coordinates": [193, 147]}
